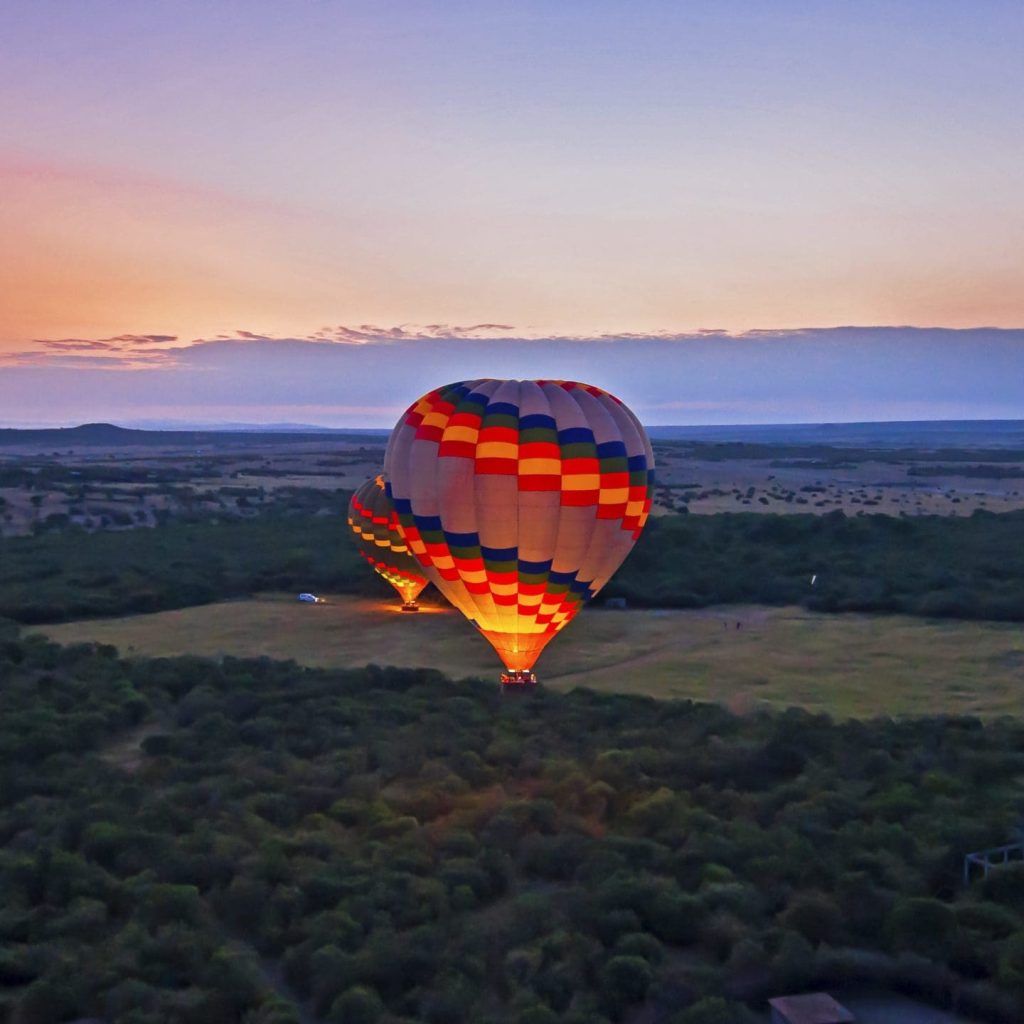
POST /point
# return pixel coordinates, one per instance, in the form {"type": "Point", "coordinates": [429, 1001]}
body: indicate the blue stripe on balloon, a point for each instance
{"type": "Point", "coordinates": [500, 554]}
{"type": "Point", "coordinates": [534, 567]}
{"type": "Point", "coordinates": [502, 409]}
{"type": "Point", "coordinates": [462, 540]}
{"type": "Point", "coordinates": [537, 420]}
{"type": "Point", "coordinates": [561, 577]}
{"type": "Point", "coordinates": [575, 435]}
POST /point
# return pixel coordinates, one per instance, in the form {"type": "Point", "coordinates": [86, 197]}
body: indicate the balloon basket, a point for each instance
{"type": "Point", "coordinates": [410, 606]}
{"type": "Point", "coordinates": [518, 679]}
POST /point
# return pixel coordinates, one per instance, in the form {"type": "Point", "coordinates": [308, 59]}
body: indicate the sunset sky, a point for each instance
{"type": "Point", "coordinates": [303, 190]}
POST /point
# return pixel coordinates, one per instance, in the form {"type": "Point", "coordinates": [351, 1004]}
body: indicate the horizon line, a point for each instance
{"type": "Point", "coordinates": [234, 426]}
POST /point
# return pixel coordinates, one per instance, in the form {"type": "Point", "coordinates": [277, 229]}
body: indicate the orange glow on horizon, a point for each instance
{"type": "Point", "coordinates": [91, 253]}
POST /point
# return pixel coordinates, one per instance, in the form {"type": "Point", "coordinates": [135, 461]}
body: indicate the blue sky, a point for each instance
{"type": "Point", "coordinates": [191, 170]}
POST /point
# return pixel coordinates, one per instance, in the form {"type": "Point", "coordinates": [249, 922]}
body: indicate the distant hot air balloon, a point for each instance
{"type": "Point", "coordinates": [372, 518]}
{"type": "Point", "coordinates": [520, 499]}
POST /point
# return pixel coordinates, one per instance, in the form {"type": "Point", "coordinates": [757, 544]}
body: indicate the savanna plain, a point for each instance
{"type": "Point", "coordinates": [760, 775]}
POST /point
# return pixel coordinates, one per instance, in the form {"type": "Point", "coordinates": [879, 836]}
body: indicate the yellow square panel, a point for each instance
{"type": "Point", "coordinates": [581, 482]}
{"type": "Point", "coordinates": [526, 625]}
{"type": "Point", "coordinates": [461, 433]}
{"type": "Point", "coordinates": [540, 467]}
{"type": "Point", "coordinates": [497, 450]}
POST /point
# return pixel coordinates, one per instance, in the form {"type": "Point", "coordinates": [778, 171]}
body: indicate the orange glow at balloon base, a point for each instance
{"type": "Point", "coordinates": [410, 606]}
{"type": "Point", "coordinates": [396, 609]}
{"type": "Point", "coordinates": [518, 678]}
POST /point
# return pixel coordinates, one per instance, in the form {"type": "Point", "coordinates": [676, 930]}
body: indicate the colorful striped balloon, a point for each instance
{"type": "Point", "coordinates": [371, 516]}
{"type": "Point", "coordinates": [520, 499]}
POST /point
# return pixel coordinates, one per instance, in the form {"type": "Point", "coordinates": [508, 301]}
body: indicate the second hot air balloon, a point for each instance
{"type": "Point", "coordinates": [520, 499]}
{"type": "Point", "coordinates": [372, 519]}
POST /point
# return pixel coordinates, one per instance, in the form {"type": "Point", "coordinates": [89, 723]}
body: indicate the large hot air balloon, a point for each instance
{"type": "Point", "coordinates": [372, 518]}
{"type": "Point", "coordinates": [520, 498]}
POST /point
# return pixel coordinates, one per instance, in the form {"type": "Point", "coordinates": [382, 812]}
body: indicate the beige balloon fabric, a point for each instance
{"type": "Point", "coordinates": [371, 517]}
{"type": "Point", "coordinates": [520, 499]}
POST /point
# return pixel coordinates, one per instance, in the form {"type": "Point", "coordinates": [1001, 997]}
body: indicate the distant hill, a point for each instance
{"type": "Point", "coordinates": [249, 428]}
{"type": "Point", "coordinates": [111, 436]}
{"type": "Point", "coordinates": [897, 434]}
{"type": "Point", "coordinates": [903, 434]}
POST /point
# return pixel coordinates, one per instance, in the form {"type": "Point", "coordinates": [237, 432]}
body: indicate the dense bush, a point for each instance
{"type": "Point", "coordinates": [935, 566]}
{"type": "Point", "coordinates": [931, 565]}
{"type": "Point", "coordinates": [383, 845]}
{"type": "Point", "coordinates": [73, 574]}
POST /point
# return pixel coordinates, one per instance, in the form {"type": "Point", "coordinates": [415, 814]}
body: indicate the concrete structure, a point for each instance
{"type": "Point", "coordinates": [809, 1008]}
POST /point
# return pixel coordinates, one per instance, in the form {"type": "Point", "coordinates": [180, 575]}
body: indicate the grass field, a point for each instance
{"type": "Point", "coordinates": [848, 666]}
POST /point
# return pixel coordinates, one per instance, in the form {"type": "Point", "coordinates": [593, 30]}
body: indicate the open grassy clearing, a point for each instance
{"type": "Point", "coordinates": [848, 665]}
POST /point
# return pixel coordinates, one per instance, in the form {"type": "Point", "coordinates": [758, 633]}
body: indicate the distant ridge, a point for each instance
{"type": "Point", "coordinates": [110, 435]}
{"type": "Point", "coordinates": [896, 434]}
{"type": "Point", "coordinates": [893, 434]}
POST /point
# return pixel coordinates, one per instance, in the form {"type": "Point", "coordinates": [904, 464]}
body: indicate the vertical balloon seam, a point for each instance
{"type": "Point", "coordinates": [635, 448]}
{"type": "Point", "coordinates": [595, 540]}
{"type": "Point", "coordinates": [502, 406]}
{"type": "Point", "coordinates": [519, 514]}
{"type": "Point", "coordinates": [546, 633]}
{"type": "Point", "coordinates": [411, 580]}
{"type": "Point", "coordinates": [542, 579]}
{"type": "Point", "coordinates": [465, 567]}
{"type": "Point", "coordinates": [569, 439]}
{"type": "Point", "coordinates": [461, 595]}
{"type": "Point", "coordinates": [489, 608]}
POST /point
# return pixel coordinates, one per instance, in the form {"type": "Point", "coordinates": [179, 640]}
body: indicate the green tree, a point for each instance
{"type": "Point", "coordinates": [815, 916]}
{"type": "Point", "coordinates": [923, 925]}
{"type": "Point", "coordinates": [357, 1005]}
{"type": "Point", "coordinates": [625, 980]}
{"type": "Point", "coordinates": [713, 1010]}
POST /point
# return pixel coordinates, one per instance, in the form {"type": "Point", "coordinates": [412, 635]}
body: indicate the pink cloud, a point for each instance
{"type": "Point", "coordinates": [144, 339]}
{"type": "Point", "coordinates": [118, 341]}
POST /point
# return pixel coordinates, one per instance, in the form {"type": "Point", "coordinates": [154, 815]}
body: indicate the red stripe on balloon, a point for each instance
{"type": "Point", "coordinates": [457, 450]}
{"type": "Point", "coordinates": [578, 499]}
{"type": "Point", "coordinates": [540, 482]}
{"type": "Point", "coordinates": [497, 467]}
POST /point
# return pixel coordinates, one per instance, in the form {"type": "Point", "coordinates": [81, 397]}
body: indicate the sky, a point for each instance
{"type": "Point", "coordinates": [236, 210]}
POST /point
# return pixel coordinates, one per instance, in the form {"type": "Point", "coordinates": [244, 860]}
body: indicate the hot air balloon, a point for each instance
{"type": "Point", "coordinates": [372, 518]}
{"type": "Point", "coordinates": [520, 499]}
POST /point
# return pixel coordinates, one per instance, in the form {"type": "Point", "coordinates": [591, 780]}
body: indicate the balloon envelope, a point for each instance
{"type": "Point", "coordinates": [371, 515]}
{"type": "Point", "coordinates": [520, 499]}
